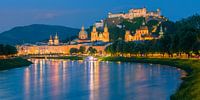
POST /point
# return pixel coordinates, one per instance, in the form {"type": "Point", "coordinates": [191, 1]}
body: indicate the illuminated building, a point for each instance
{"type": "Point", "coordinates": [83, 34]}
{"type": "Point", "coordinates": [104, 37]}
{"type": "Point", "coordinates": [134, 13]}
{"type": "Point", "coordinates": [55, 41]}
{"type": "Point", "coordinates": [50, 41]}
{"type": "Point", "coordinates": [142, 34]}
{"type": "Point", "coordinates": [55, 47]}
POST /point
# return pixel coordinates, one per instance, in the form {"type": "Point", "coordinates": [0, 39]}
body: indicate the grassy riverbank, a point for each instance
{"type": "Point", "coordinates": [189, 89]}
{"type": "Point", "coordinates": [13, 63]}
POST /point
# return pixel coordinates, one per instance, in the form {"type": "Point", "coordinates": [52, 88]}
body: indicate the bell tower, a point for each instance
{"type": "Point", "coordinates": [161, 33]}
{"type": "Point", "coordinates": [94, 34]}
{"type": "Point", "coordinates": [50, 41]}
{"type": "Point", "coordinates": [106, 34]}
{"type": "Point", "coordinates": [56, 40]}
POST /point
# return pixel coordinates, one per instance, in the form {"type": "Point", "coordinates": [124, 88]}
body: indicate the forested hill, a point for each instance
{"type": "Point", "coordinates": [35, 33]}
{"type": "Point", "coordinates": [117, 27]}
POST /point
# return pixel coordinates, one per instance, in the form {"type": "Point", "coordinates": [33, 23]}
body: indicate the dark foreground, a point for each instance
{"type": "Point", "coordinates": [6, 64]}
{"type": "Point", "coordinates": [189, 89]}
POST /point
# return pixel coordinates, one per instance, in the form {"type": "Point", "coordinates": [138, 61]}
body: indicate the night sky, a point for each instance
{"type": "Point", "coordinates": [75, 13]}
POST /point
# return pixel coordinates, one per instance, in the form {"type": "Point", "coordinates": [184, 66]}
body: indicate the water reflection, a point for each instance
{"type": "Point", "coordinates": [62, 79]}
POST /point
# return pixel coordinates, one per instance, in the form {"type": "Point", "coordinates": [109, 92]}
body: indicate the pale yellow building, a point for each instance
{"type": "Point", "coordinates": [83, 34]}
{"type": "Point", "coordinates": [61, 49]}
{"type": "Point", "coordinates": [141, 34]}
{"type": "Point", "coordinates": [55, 41]}
{"type": "Point", "coordinates": [104, 37]}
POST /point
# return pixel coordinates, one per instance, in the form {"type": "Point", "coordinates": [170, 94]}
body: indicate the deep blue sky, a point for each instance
{"type": "Point", "coordinates": [75, 13]}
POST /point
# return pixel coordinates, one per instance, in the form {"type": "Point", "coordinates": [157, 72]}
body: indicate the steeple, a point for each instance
{"type": "Point", "coordinates": [82, 28]}
{"type": "Point", "coordinates": [94, 28]}
{"type": "Point", "coordinates": [161, 33]}
{"type": "Point", "coordinates": [56, 36]}
{"type": "Point", "coordinates": [105, 28]}
{"type": "Point", "coordinates": [56, 40]}
{"type": "Point", "coordinates": [50, 41]}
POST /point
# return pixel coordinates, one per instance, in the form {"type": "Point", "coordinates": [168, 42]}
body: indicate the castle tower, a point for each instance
{"type": "Point", "coordinates": [106, 34]}
{"type": "Point", "coordinates": [161, 33]}
{"type": "Point", "coordinates": [56, 40]}
{"type": "Point", "coordinates": [50, 41]}
{"type": "Point", "coordinates": [83, 34]}
{"type": "Point", "coordinates": [158, 12]}
{"type": "Point", "coordinates": [94, 34]}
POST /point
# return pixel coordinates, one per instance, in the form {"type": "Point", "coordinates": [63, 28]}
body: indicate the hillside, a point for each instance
{"type": "Point", "coordinates": [118, 26]}
{"type": "Point", "coordinates": [35, 33]}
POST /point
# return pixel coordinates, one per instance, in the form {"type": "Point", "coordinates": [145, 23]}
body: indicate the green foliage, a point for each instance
{"type": "Point", "coordinates": [73, 51]}
{"type": "Point", "coordinates": [7, 50]}
{"type": "Point", "coordinates": [13, 63]}
{"type": "Point", "coordinates": [82, 49]}
{"type": "Point", "coordinates": [180, 37]}
{"type": "Point", "coordinates": [91, 51]}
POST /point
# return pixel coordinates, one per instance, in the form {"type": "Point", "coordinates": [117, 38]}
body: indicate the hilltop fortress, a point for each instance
{"type": "Point", "coordinates": [134, 13]}
{"type": "Point", "coordinates": [117, 18]}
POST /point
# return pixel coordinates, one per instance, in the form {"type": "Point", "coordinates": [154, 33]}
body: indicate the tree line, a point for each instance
{"type": "Point", "coordinates": [181, 37]}
{"type": "Point", "coordinates": [7, 49]}
{"type": "Point", "coordinates": [82, 50]}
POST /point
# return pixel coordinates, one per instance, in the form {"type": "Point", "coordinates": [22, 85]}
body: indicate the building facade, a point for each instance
{"type": "Point", "coordinates": [55, 41]}
{"type": "Point", "coordinates": [134, 13]}
{"type": "Point", "coordinates": [46, 49]}
{"type": "Point", "coordinates": [83, 34]}
{"type": "Point", "coordinates": [104, 37]}
{"type": "Point", "coordinates": [142, 34]}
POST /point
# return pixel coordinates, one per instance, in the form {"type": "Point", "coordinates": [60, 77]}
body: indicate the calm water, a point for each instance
{"type": "Point", "coordinates": [76, 80]}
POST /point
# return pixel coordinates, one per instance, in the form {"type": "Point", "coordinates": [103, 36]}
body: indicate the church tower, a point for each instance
{"type": "Point", "coordinates": [161, 33]}
{"type": "Point", "coordinates": [128, 36]}
{"type": "Point", "coordinates": [106, 34]}
{"type": "Point", "coordinates": [56, 40]}
{"type": "Point", "coordinates": [50, 41]}
{"type": "Point", "coordinates": [94, 34]}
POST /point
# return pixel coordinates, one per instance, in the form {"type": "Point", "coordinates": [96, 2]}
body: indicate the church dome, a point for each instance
{"type": "Point", "coordinates": [83, 34]}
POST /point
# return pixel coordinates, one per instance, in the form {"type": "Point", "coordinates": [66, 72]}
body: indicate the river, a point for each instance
{"type": "Point", "coordinates": [77, 80]}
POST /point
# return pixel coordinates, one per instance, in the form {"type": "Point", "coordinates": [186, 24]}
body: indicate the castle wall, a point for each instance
{"type": "Point", "coordinates": [134, 13]}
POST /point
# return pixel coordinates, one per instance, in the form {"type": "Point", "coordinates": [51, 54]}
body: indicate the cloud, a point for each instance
{"type": "Point", "coordinates": [47, 15]}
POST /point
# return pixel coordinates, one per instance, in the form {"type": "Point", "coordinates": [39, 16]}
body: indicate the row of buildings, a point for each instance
{"type": "Point", "coordinates": [142, 34]}
{"type": "Point", "coordinates": [53, 46]}
{"type": "Point", "coordinates": [98, 40]}
{"type": "Point", "coordinates": [134, 13]}
{"type": "Point", "coordinates": [116, 18]}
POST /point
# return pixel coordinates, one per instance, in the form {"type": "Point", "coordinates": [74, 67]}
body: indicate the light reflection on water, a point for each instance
{"type": "Point", "coordinates": [78, 80]}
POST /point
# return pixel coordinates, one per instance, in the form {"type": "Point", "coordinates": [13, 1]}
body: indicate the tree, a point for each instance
{"type": "Point", "coordinates": [74, 50]}
{"type": "Point", "coordinates": [91, 51]}
{"type": "Point", "coordinates": [7, 50]}
{"type": "Point", "coordinates": [82, 49]}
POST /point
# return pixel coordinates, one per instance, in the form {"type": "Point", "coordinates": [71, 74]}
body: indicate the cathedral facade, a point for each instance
{"type": "Point", "coordinates": [54, 41]}
{"type": "Point", "coordinates": [96, 36]}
